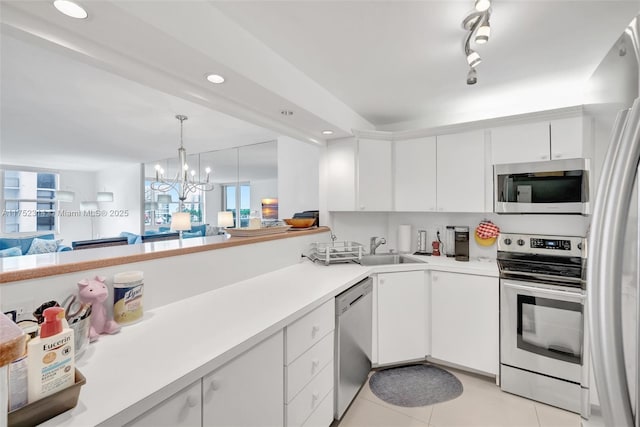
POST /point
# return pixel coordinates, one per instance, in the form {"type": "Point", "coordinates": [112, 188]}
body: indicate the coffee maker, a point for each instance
{"type": "Point", "coordinates": [461, 236]}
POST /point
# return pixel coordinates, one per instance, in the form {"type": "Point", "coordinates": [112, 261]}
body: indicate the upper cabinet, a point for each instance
{"type": "Point", "coordinates": [461, 172]}
{"type": "Point", "coordinates": [415, 172]}
{"type": "Point", "coordinates": [374, 175]}
{"type": "Point", "coordinates": [359, 175]}
{"type": "Point", "coordinates": [540, 141]}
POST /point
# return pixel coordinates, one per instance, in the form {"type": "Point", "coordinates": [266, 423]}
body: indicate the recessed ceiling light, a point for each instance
{"type": "Point", "coordinates": [215, 78]}
{"type": "Point", "coordinates": [286, 112]}
{"type": "Point", "coordinates": [327, 132]}
{"type": "Point", "coordinates": [70, 8]}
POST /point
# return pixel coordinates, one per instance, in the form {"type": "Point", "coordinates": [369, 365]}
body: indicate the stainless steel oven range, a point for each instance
{"type": "Point", "coordinates": [543, 345]}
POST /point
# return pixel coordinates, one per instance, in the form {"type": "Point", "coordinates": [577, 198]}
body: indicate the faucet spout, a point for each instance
{"type": "Point", "coordinates": [374, 243]}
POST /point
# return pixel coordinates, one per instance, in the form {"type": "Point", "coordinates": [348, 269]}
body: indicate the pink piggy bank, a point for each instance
{"type": "Point", "coordinates": [95, 292]}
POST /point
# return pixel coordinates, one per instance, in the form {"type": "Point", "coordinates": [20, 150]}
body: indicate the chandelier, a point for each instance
{"type": "Point", "coordinates": [185, 181]}
{"type": "Point", "coordinates": [477, 24]}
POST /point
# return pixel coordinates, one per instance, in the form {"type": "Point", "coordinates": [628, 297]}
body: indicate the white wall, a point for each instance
{"type": "Point", "coordinates": [72, 226]}
{"type": "Point", "coordinates": [298, 177]}
{"type": "Point", "coordinates": [360, 226]}
{"type": "Point", "coordinates": [125, 212]}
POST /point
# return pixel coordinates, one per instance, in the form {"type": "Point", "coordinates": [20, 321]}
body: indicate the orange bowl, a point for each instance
{"type": "Point", "coordinates": [300, 222]}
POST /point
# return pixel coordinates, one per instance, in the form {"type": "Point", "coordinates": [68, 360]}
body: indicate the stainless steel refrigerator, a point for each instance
{"type": "Point", "coordinates": [613, 240]}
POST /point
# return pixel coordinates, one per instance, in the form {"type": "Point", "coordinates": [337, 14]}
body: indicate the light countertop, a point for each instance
{"type": "Point", "coordinates": [176, 344]}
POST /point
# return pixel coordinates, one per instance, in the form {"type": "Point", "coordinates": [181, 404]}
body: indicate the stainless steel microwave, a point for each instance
{"type": "Point", "coordinates": [551, 187]}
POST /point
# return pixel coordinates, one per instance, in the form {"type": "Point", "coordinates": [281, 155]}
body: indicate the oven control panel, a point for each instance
{"type": "Point", "coordinates": [537, 244]}
{"type": "Point", "coordinates": [559, 244]}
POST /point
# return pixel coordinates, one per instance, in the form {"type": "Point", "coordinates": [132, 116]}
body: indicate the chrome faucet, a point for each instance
{"type": "Point", "coordinates": [374, 243]}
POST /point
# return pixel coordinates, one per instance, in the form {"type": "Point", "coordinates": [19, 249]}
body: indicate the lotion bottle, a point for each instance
{"type": "Point", "coordinates": [51, 357]}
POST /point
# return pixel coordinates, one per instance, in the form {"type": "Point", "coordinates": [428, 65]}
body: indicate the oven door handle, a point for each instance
{"type": "Point", "coordinates": [549, 277]}
{"type": "Point", "coordinates": [604, 270]}
{"type": "Point", "coordinates": [550, 292]}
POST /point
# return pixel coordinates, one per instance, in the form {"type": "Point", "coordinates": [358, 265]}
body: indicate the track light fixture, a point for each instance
{"type": "Point", "coordinates": [479, 30]}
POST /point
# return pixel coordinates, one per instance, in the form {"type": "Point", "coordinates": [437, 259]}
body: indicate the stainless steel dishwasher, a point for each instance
{"type": "Point", "coordinates": [352, 343]}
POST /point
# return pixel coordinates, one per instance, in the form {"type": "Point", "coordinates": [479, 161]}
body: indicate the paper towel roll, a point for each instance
{"type": "Point", "coordinates": [404, 238]}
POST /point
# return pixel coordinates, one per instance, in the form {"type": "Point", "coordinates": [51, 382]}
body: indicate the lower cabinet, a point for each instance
{"type": "Point", "coordinates": [247, 391]}
{"type": "Point", "coordinates": [182, 409]}
{"type": "Point", "coordinates": [402, 320]}
{"type": "Point", "coordinates": [465, 316]}
{"type": "Point", "coordinates": [309, 368]}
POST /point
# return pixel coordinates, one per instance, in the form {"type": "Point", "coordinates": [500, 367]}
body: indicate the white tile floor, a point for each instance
{"type": "Point", "coordinates": [481, 404]}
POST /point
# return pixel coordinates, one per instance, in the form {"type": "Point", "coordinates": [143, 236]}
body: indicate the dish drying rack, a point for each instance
{"type": "Point", "coordinates": [335, 252]}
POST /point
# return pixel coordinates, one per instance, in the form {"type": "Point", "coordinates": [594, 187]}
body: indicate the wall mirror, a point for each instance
{"type": "Point", "coordinates": [244, 179]}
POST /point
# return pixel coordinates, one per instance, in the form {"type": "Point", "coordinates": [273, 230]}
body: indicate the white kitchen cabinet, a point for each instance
{"type": "Point", "coordinates": [249, 390]}
{"type": "Point", "coordinates": [341, 174]}
{"type": "Point", "coordinates": [520, 143]}
{"type": "Point", "coordinates": [182, 409]}
{"type": "Point", "coordinates": [402, 321]}
{"type": "Point", "coordinates": [540, 141]}
{"type": "Point", "coordinates": [415, 174]}
{"type": "Point", "coordinates": [374, 175]}
{"type": "Point", "coordinates": [464, 320]}
{"type": "Point", "coordinates": [309, 368]}
{"type": "Point", "coordinates": [461, 172]}
{"type": "Point", "coordinates": [567, 139]}
{"type": "Point", "coordinates": [359, 175]}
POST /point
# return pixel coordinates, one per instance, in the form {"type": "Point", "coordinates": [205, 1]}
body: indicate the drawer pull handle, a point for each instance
{"type": "Point", "coordinates": [314, 398]}
{"type": "Point", "coordinates": [314, 365]}
{"type": "Point", "coordinates": [314, 330]}
{"type": "Point", "coordinates": [214, 385]}
{"type": "Point", "coordinates": [192, 401]}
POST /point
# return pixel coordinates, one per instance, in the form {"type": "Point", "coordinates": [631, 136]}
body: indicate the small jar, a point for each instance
{"type": "Point", "coordinates": [127, 297]}
{"type": "Point", "coordinates": [254, 220]}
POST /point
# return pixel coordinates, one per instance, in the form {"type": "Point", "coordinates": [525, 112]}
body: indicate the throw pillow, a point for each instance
{"type": "Point", "coordinates": [42, 246]}
{"type": "Point", "coordinates": [187, 234]}
{"type": "Point", "coordinates": [15, 251]}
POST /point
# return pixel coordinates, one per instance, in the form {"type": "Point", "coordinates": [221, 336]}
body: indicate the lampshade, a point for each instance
{"type": "Point", "coordinates": [65, 196]}
{"type": "Point", "coordinates": [164, 198]}
{"type": "Point", "coordinates": [181, 221]}
{"type": "Point", "coordinates": [88, 206]}
{"type": "Point", "coordinates": [225, 219]}
{"type": "Point", "coordinates": [104, 196]}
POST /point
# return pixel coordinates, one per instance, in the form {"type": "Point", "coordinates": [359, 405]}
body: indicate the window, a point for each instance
{"type": "Point", "coordinates": [29, 201]}
{"type": "Point", "coordinates": [238, 202]}
{"type": "Point", "coordinates": [159, 214]}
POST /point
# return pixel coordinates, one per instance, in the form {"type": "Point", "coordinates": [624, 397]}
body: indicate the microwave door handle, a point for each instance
{"type": "Point", "coordinates": [605, 270]}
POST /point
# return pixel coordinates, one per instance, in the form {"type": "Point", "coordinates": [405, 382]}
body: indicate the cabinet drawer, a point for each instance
{"type": "Point", "coordinates": [308, 330]}
{"type": "Point", "coordinates": [323, 415]}
{"type": "Point", "coordinates": [301, 407]}
{"type": "Point", "coordinates": [307, 366]}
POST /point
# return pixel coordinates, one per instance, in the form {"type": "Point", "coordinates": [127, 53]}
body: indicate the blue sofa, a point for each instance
{"type": "Point", "coordinates": [196, 231]}
{"type": "Point", "coordinates": [9, 245]}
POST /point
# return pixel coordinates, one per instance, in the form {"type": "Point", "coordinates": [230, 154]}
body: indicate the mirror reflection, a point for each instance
{"type": "Point", "coordinates": [243, 179]}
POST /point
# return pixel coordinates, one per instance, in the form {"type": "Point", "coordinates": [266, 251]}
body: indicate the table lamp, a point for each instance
{"type": "Point", "coordinates": [225, 219]}
{"type": "Point", "coordinates": [181, 221]}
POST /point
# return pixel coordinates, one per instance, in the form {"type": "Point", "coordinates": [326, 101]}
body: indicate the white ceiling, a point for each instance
{"type": "Point", "coordinates": [91, 93]}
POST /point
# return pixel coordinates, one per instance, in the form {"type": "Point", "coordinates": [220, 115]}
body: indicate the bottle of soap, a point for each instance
{"type": "Point", "coordinates": [51, 357]}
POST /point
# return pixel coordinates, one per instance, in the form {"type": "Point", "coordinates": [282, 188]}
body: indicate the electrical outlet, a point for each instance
{"type": "Point", "coordinates": [24, 310]}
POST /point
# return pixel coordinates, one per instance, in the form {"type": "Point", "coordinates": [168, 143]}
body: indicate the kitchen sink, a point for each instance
{"type": "Point", "coordinates": [385, 259]}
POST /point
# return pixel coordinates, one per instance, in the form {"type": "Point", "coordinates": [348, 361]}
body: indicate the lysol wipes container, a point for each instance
{"type": "Point", "coordinates": [127, 297]}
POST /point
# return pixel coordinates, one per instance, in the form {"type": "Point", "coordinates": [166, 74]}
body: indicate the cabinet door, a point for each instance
{"type": "Point", "coordinates": [374, 175]}
{"type": "Point", "coordinates": [415, 175]}
{"type": "Point", "coordinates": [520, 143]}
{"type": "Point", "coordinates": [182, 409]}
{"type": "Point", "coordinates": [249, 390]}
{"type": "Point", "coordinates": [464, 310]}
{"type": "Point", "coordinates": [461, 172]}
{"type": "Point", "coordinates": [341, 175]}
{"type": "Point", "coordinates": [402, 319]}
{"type": "Point", "coordinates": [567, 141]}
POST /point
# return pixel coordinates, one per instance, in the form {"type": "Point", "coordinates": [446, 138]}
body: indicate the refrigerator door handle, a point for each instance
{"type": "Point", "coordinates": [604, 272]}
